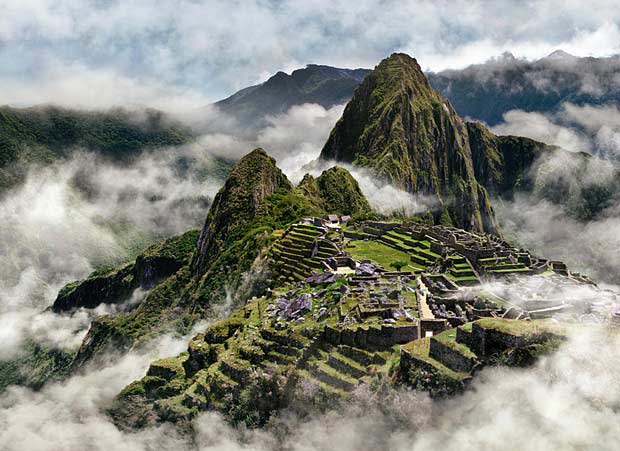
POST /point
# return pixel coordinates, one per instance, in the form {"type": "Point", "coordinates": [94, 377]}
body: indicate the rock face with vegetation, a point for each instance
{"type": "Point", "coordinates": [336, 191]}
{"type": "Point", "coordinates": [115, 285]}
{"type": "Point", "coordinates": [239, 203]}
{"type": "Point", "coordinates": [512, 165]}
{"type": "Point", "coordinates": [185, 276]}
{"type": "Point", "coordinates": [406, 133]}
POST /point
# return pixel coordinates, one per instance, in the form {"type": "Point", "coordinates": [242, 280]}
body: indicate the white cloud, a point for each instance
{"type": "Point", "coordinates": [184, 52]}
{"type": "Point", "coordinates": [538, 126]}
{"type": "Point", "coordinates": [587, 128]}
{"type": "Point", "coordinates": [73, 216]}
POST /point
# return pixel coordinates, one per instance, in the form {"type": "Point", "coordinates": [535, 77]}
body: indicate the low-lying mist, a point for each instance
{"type": "Point", "coordinates": [85, 213]}
{"type": "Point", "coordinates": [553, 227]}
{"type": "Point", "coordinates": [567, 401]}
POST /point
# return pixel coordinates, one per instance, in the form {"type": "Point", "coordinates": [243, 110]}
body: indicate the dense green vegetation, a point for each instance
{"type": "Point", "coordinates": [44, 134]}
{"type": "Point", "coordinates": [407, 134]}
{"type": "Point", "coordinates": [35, 365]}
{"type": "Point", "coordinates": [335, 191]}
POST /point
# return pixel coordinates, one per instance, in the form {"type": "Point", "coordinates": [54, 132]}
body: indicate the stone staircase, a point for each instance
{"type": "Point", "coordinates": [462, 272]}
{"type": "Point", "coordinates": [502, 265]}
{"type": "Point", "coordinates": [341, 368]}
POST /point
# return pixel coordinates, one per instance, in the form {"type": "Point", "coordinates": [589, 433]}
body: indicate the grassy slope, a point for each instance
{"type": "Point", "coordinates": [379, 253]}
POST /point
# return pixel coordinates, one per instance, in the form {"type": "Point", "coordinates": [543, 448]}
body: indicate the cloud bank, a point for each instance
{"type": "Point", "coordinates": [547, 220]}
{"type": "Point", "coordinates": [187, 53]}
{"type": "Point", "coordinates": [565, 402]}
{"type": "Point", "coordinates": [588, 128]}
{"type": "Point", "coordinates": [84, 213]}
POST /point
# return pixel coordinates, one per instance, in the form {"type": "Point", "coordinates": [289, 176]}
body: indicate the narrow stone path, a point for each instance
{"type": "Point", "coordinates": [425, 311]}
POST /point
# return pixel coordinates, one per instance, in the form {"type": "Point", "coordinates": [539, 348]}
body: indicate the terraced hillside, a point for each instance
{"type": "Point", "coordinates": [344, 310]}
{"type": "Point", "coordinates": [302, 250]}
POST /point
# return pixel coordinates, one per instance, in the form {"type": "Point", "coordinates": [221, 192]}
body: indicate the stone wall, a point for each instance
{"type": "Point", "coordinates": [432, 325]}
{"type": "Point", "coordinates": [450, 357]}
{"type": "Point", "coordinates": [362, 337]}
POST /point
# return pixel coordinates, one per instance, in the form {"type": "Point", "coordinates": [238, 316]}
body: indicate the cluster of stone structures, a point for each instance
{"type": "Point", "coordinates": [447, 267]}
{"type": "Point", "coordinates": [339, 311]}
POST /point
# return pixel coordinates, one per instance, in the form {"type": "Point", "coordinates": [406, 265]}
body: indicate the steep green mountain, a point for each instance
{"type": "Point", "coordinates": [44, 134]}
{"type": "Point", "coordinates": [336, 320]}
{"type": "Point", "coordinates": [240, 202]}
{"type": "Point", "coordinates": [324, 85]}
{"type": "Point", "coordinates": [189, 274]}
{"type": "Point", "coordinates": [336, 191]}
{"type": "Point", "coordinates": [486, 91]}
{"type": "Point", "coordinates": [400, 128]}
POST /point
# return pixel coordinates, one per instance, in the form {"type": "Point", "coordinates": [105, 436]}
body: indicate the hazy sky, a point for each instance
{"type": "Point", "coordinates": [183, 53]}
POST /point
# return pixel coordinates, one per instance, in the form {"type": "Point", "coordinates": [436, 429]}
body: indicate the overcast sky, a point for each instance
{"type": "Point", "coordinates": [185, 53]}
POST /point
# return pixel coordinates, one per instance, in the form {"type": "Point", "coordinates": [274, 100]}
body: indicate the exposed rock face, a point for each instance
{"type": "Point", "coordinates": [405, 132]}
{"type": "Point", "coordinates": [238, 203]}
{"type": "Point", "coordinates": [335, 191]}
{"type": "Point", "coordinates": [503, 163]}
{"type": "Point", "coordinates": [116, 285]}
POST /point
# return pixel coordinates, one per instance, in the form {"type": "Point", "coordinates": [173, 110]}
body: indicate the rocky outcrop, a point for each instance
{"type": "Point", "coordinates": [116, 285]}
{"type": "Point", "coordinates": [335, 191]}
{"type": "Point", "coordinates": [406, 133]}
{"type": "Point", "coordinates": [240, 201]}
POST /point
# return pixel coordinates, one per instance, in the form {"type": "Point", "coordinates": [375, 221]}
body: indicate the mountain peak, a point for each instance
{"type": "Point", "coordinates": [398, 126]}
{"type": "Point", "coordinates": [242, 199]}
{"type": "Point", "coordinates": [559, 54]}
{"type": "Point", "coordinates": [335, 191]}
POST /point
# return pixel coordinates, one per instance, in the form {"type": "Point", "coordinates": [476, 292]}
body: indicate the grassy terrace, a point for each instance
{"type": "Point", "coordinates": [522, 328]}
{"type": "Point", "coordinates": [420, 349]}
{"type": "Point", "coordinates": [380, 253]}
{"type": "Point", "coordinates": [416, 246]}
{"type": "Point", "coordinates": [448, 338]}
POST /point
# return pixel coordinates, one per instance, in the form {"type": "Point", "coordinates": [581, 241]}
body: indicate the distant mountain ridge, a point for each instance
{"type": "Point", "coordinates": [481, 91]}
{"type": "Point", "coordinates": [323, 85]}
{"type": "Point", "coordinates": [486, 91]}
{"type": "Point", "coordinates": [46, 133]}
